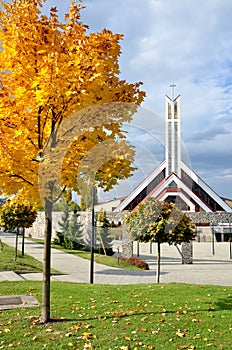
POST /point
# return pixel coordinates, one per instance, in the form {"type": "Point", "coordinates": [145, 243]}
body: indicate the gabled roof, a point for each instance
{"type": "Point", "coordinates": [190, 188]}
{"type": "Point", "coordinates": [143, 188]}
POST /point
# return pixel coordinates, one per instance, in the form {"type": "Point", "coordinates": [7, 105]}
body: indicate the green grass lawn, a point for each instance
{"type": "Point", "coordinates": [23, 263]}
{"type": "Point", "coordinates": [164, 316]}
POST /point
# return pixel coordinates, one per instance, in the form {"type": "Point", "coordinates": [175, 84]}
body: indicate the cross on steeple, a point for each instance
{"type": "Point", "coordinates": [172, 86]}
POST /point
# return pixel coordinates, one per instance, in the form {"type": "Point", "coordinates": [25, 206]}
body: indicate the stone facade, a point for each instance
{"type": "Point", "coordinates": [127, 248]}
{"type": "Point", "coordinates": [187, 253]}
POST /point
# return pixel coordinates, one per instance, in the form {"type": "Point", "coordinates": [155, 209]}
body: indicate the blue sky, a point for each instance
{"type": "Point", "coordinates": [185, 42]}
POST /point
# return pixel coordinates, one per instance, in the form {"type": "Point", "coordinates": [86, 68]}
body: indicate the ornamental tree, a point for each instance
{"type": "Point", "coordinates": [62, 109]}
{"type": "Point", "coordinates": [16, 214]}
{"type": "Point", "coordinates": [159, 222]}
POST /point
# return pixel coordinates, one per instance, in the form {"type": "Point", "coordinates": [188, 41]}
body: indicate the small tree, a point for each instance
{"type": "Point", "coordinates": [16, 214]}
{"type": "Point", "coordinates": [75, 231]}
{"type": "Point", "coordinates": [103, 231]}
{"type": "Point", "coordinates": [159, 222]}
{"type": "Point", "coordinates": [64, 225]}
{"type": "Point", "coordinates": [70, 235]}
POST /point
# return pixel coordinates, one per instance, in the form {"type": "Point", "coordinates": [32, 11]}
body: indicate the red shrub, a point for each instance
{"type": "Point", "coordinates": [137, 262]}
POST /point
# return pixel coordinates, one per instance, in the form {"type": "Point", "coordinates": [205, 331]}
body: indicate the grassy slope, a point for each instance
{"type": "Point", "coordinates": [23, 263]}
{"type": "Point", "coordinates": [165, 316]}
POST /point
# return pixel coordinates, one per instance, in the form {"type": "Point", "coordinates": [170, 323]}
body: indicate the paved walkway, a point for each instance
{"type": "Point", "coordinates": [206, 268]}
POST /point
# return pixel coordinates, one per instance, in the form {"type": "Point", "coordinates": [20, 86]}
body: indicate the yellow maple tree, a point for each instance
{"type": "Point", "coordinates": [61, 102]}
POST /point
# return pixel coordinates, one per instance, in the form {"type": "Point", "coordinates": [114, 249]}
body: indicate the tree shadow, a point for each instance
{"type": "Point", "coordinates": [224, 303]}
{"type": "Point", "coordinates": [53, 321]}
{"type": "Point", "coordinates": [119, 272]}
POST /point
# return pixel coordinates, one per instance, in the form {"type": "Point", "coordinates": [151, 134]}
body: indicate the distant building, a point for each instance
{"type": "Point", "coordinates": [110, 205]}
{"type": "Point", "coordinates": [2, 200]}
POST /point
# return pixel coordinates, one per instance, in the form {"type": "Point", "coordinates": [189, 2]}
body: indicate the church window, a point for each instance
{"type": "Point", "coordinates": [175, 111]}
{"type": "Point", "coordinates": [202, 194]}
{"type": "Point", "coordinates": [169, 111]}
{"type": "Point", "coordinates": [172, 184]}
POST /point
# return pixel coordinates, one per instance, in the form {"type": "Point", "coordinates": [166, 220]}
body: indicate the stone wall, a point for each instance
{"type": "Point", "coordinates": [37, 230]}
{"type": "Point", "coordinates": [212, 218]}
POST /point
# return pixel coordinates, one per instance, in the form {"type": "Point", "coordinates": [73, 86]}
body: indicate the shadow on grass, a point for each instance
{"type": "Point", "coordinates": [224, 304]}
{"type": "Point", "coordinates": [118, 315]}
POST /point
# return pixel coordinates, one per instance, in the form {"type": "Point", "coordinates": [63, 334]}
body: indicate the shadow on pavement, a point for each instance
{"type": "Point", "coordinates": [125, 272]}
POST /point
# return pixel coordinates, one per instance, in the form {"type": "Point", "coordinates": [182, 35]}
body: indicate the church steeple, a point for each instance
{"type": "Point", "coordinates": [172, 135]}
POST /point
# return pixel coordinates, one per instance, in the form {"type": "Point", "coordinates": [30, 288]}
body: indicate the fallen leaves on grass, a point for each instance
{"type": "Point", "coordinates": [181, 334]}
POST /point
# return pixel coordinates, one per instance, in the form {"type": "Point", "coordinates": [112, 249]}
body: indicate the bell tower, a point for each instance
{"type": "Point", "coordinates": [172, 135]}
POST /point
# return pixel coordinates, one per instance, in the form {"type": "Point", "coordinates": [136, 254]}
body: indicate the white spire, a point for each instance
{"type": "Point", "coordinates": [173, 141]}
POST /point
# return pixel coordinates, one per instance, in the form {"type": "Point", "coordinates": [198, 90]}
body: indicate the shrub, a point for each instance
{"type": "Point", "coordinates": [136, 261]}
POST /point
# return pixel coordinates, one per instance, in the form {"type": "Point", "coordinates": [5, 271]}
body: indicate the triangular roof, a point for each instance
{"type": "Point", "coordinates": [190, 189]}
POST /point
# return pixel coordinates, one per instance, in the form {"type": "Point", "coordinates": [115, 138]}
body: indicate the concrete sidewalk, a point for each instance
{"type": "Point", "coordinates": [206, 268]}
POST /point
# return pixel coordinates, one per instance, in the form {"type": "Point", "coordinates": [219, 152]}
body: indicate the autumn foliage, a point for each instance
{"type": "Point", "coordinates": [160, 222]}
{"type": "Point", "coordinates": [17, 213]}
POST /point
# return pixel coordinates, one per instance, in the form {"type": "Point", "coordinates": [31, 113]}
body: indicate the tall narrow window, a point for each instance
{"type": "Point", "coordinates": [175, 111]}
{"type": "Point", "coordinates": [169, 111]}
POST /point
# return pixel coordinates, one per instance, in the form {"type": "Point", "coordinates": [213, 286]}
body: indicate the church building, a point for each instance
{"type": "Point", "coordinates": [173, 180]}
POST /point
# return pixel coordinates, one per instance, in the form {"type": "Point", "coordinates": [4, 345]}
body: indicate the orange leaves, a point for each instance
{"type": "Point", "coordinates": [49, 70]}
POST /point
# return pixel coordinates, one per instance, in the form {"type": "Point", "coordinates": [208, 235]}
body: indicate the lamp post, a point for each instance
{"type": "Point", "coordinates": [92, 237]}
{"type": "Point", "coordinates": [230, 240]}
{"type": "Point", "coordinates": [213, 247]}
{"type": "Point", "coordinates": [23, 240]}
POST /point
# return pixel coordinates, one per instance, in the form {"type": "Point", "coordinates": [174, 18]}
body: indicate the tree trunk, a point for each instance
{"type": "Point", "coordinates": [102, 243]}
{"type": "Point", "coordinates": [16, 243]}
{"type": "Point", "coordinates": [45, 315]}
{"type": "Point", "coordinates": [23, 240]}
{"type": "Point", "coordinates": [158, 263]}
